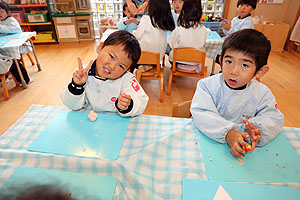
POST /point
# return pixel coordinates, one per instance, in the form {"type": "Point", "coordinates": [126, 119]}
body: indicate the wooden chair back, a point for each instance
{"type": "Point", "coordinates": [156, 73]}
{"type": "Point", "coordinates": [189, 55]}
{"type": "Point", "coordinates": [182, 109]}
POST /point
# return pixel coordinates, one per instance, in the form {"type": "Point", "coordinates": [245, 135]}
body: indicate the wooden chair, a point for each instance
{"type": "Point", "coordinates": [190, 55]}
{"type": "Point", "coordinates": [182, 110]}
{"type": "Point", "coordinates": [4, 85]}
{"type": "Point", "coordinates": [156, 73]}
{"type": "Point", "coordinates": [30, 58]}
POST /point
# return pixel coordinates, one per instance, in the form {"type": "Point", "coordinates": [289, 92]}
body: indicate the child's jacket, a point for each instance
{"type": "Point", "coordinates": [102, 95]}
{"type": "Point", "coordinates": [216, 109]}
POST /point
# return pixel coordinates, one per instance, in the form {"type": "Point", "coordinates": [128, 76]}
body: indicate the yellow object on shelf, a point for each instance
{"type": "Point", "coordinates": [47, 35]}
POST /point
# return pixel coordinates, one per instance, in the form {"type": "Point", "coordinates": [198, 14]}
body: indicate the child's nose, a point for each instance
{"type": "Point", "coordinates": [234, 70]}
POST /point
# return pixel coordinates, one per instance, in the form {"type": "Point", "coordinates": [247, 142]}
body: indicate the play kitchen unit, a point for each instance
{"type": "Point", "coordinates": [73, 21]}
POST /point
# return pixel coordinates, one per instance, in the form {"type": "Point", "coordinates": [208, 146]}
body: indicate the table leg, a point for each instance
{"type": "Point", "coordinates": [213, 68]}
{"type": "Point", "coordinates": [24, 85]}
{"type": "Point", "coordinates": [36, 59]}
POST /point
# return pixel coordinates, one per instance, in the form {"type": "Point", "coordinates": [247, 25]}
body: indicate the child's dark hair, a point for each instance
{"type": "Point", "coordinates": [252, 3]}
{"type": "Point", "coordinates": [252, 43]}
{"type": "Point", "coordinates": [125, 5]}
{"type": "Point", "coordinates": [36, 192]}
{"type": "Point", "coordinates": [4, 6]}
{"type": "Point", "coordinates": [130, 43]}
{"type": "Point", "coordinates": [160, 14]}
{"type": "Point", "coordinates": [191, 13]}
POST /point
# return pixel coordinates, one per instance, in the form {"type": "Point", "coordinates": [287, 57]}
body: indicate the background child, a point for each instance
{"type": "Point", "coordinates": [232, 105]}
{"type": "Point", "coordinates": [9, 24]}
{"type": "Point", "coordinates": [242, 21]}
{"type": "Point", "coordinates": [189, 32]}
{"type": "Point", "coordinates": [177, 5]}
{"type": "Point", "coordinates": [106, 84]}
{"type": "Point", "coordinates": [130, 22]}
{"type": "Point", "coordinates": [151, 32]}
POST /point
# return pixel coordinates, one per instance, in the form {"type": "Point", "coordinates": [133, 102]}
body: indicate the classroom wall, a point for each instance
{"type": "Point", "coordinates": [285, 12]}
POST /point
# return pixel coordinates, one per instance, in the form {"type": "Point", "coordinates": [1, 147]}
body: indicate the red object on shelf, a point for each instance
{"type": "Point", "coordinates": [19, 16]}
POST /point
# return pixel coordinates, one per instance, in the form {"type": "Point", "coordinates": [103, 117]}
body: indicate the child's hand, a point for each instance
{"type": "Point", "coordinates": [253, 132]}
{"type": "Point", "coordinates": [235, 140]}
{"type": "Point", "coordinates": [124, 101]}
{"type": "Point", "coordinates": [132, 8]}
{"type": "Point", "coordinates": [226, 25]}
{"type": "Point", "coordinates": [80, 75]}
{"type": "Point", "coordinates": [135, 20]}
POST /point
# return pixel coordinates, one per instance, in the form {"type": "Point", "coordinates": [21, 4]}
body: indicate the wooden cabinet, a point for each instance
{"type": "Point", "coordinates": [276, 31]}
{"type": "Point", "coordinates": [74, 28]}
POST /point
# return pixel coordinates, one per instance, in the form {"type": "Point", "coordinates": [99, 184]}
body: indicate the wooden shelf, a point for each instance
{"type": "Point", "coordinates": [28, 5]}
{"type": "Point", "coordinates": [44, 41]}
{"type": "Point", "coordinates": [35, 24]}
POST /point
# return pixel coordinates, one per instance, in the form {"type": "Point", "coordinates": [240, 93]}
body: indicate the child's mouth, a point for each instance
{"type": "Point", "coordinates": [232, 82]}
{"type": "Point", "coordinates": [106, 71]}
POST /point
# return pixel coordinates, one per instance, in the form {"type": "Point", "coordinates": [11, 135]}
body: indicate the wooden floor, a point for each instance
{"type": "Point", "coordinates": [59, 61]}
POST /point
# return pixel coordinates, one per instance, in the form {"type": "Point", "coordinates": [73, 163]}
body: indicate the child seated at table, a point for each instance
{"type": "Point", "coordinates": [130, 22]}
{"type": "Point", "coordinates": [177, 5]}
{"type": "Point", "coordinates": [106, 84]}
{"type": "Point", "coordinates": [189, 33]}
{"type": "Point", "coordinates": [232, 106]}
{"type": "Point", "coordinates": [243, 21]}
{"type": "Point", "coordinates": [152, 31]}
{"type": "Point", "coordinates": [9, 24]}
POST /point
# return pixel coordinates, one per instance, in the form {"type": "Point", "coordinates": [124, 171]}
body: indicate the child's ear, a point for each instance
{"type": "Point", "coordinates": [262, 71]}
{"type": "Point", "coordinates": [99, 47]}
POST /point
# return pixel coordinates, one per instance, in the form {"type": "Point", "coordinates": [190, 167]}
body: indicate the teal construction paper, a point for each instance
{"type": "Point", "coordinates": [81, 186]}
{"type": "Point", "coordinates": [206, 190]}
{"type": "Point", "coordinates": [275, 162]}
{"type": "Point", "coordinates": [72, 133]}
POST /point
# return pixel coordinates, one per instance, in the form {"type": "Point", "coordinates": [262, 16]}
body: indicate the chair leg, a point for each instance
{"type": "Point", "coordinates": [22, 60]}
{"type": "Point", "coordinates": [5, 90]}
{"type": "Point", "coordinates": [31, 59]}
{"type": "Point", "coordinates": [170, 82]}
{"type": "Point", "coordinates": [161, 87]}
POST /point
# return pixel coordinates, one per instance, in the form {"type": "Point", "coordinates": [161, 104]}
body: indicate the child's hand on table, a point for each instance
{"type": "Point", "coordinates": [124, 101]}
{"type": "Point", "coordinates": [80, 75]}
{"type": "Point", "coordinates": [253, 132]}
{"type": "Point", "coordinates": [235, 140]}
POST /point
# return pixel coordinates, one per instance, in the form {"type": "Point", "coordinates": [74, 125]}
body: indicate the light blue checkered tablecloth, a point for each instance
{"type": "Point", "coordinates": [157, 154]}
{"type": "Point", "coordinates": [10, 46]}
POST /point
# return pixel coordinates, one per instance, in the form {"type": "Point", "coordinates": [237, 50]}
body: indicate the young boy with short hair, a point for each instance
{"type": "Point", "coordinates": [130, 22]}
{"type": "Point", "coordinates": [242, 21]}
{"type": "Point", "coordinates": [106, 84]}
{"type": "Point", "coordinates": [233, 106]}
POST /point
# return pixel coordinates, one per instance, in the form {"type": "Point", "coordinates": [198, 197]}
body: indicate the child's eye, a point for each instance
{"type": "Point", "coordinates": [111, 56]}
{"type": "Point", "coordinates": [122, 67]}
{"type": "Point", "coordinates": [228, 62]}
{"type": "Point", "coordinates": [244, 65]}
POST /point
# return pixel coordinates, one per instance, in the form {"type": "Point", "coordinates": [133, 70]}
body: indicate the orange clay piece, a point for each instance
{"type": "Point", "coordinates": [247, 148]}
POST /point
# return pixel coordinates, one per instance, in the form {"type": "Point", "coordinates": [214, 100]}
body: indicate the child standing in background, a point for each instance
{"type": "Point", "coordinates": [9, 24]}
{"type": "Point", "coordinates": [130, 22]}
{"type": "Point", "coordinates": [243, 21]}
{"type": "Point", "coordinates": [151, 32]}
{"type": "Point", "coordinates": [233, 106]}
{"type": "Point", "coordinates": [106, 84]}
{"type": "Point", "coordinates": [189, 32]}
{"type": "Point", "coordinates": [177, 5]}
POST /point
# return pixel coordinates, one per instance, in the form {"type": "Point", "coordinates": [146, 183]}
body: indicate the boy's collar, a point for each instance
{"type": "Point", "coordinates": [92, 72]}
{"type": "Point", "coordinates": [245, 16]}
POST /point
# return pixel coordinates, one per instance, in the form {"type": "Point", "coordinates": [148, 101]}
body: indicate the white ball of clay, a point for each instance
{"type": "Point", "coordinates": [92, 116]}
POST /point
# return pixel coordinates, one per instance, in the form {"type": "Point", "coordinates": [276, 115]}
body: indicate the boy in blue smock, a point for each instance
{"type": "Point", "coordinates": [232, 106]}
{"type": "Point", "coordinates": [243, 21]}
{"type": "Point", "coordinates": [130, 22]}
